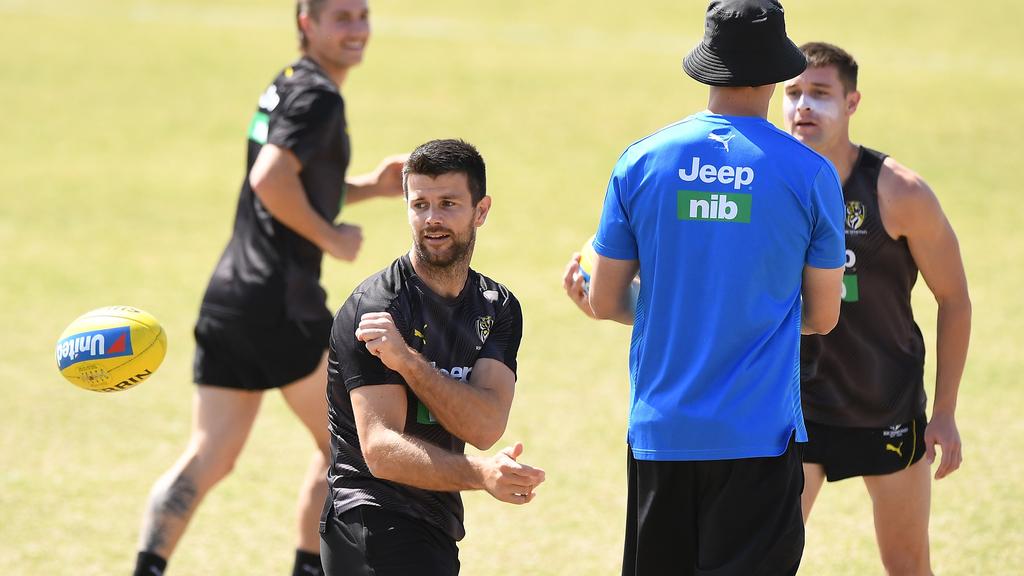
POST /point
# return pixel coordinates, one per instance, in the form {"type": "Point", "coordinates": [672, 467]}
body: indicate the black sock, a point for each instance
{"type": "Point", "coordinates": [307, 564]}
{"type": "Point", "coordinates": [149, 564]}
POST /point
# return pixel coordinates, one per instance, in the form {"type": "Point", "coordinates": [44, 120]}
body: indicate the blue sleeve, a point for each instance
{"type": "Point", "coordinates": [615, 238]}
{"type": "Point", "coordinates": [828, 242]}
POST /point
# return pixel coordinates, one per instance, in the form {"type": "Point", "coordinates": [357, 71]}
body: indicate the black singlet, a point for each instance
{"type": "Point", "coordinates": [869, 371]}
{"type": "Point", "coordinates": [483, 321]}
{"type": "Point", "coordinates": [268, 272]}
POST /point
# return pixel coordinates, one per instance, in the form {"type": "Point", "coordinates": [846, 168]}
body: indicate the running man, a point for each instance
{"type": "Point", "coordinates": [264, 323]}
{"type": "Point", "coordinates": [736, 230]}
{"type": "Point", "coordinates": [863, 384]}
{"type": "Point", "coordinates": [422, 361]}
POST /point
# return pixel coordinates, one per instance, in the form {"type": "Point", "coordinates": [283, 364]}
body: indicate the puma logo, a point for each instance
{"type": "Point", "coordinates": [897, 449]}
{"type": "Point", "coordinates": [421, 335]}
{"type": "Point", "coordinates": [722, 139]}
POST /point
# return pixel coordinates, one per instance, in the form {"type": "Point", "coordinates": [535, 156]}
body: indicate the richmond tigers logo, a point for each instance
{"type": "Point", "coordinates": [483, 327]}
{"type": "Point", "coordinates": [855, 214]}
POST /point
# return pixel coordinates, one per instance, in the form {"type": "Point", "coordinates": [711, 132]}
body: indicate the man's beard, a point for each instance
{"type": "Point", "coordinates": [446, 262]}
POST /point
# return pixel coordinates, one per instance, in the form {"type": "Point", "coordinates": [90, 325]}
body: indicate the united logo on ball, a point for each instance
{"type": "Point", "coordinates": [111, 349]}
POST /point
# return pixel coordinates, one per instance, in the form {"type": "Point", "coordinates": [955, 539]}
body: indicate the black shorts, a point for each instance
{"type": "Point", "coordinates": [847, 452]}
{"type": "Point", "coordinates": [231, 353]}
{"type": "Point", "coordinates": [723, 517]}
{"type": "Point", "coordinates": [372, 541]}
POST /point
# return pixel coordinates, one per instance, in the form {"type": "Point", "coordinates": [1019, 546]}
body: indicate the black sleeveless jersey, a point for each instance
{"type": "Point", "coordinates": [869, 371]}
{"type": "Point", "coordinates": [269, 272]}
{"type": "Point", "coordinates": [483, 321]}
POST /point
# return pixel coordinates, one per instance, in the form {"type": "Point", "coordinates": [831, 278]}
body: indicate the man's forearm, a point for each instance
{"type": "Point", "coordinates": [361, 187]}
{"type": "Point", "coordinates": [282, 193]}
{"type": "Point", "coordinates": [621, 309]}
{"type": "Point", "coordinates": [474, 414]}
{"type": "Point", "coordinates": [407, 460]}
{"type": "Point", "coordinates": [952, 340]}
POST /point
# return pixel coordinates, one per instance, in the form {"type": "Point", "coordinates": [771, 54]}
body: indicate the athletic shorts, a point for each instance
{"type": "Point", "coordinates": [715, 517]}
{"type": "Point", "coordinates": [372, 541]}
{"type": "Point", "coordinates": [234, 354]}
{"type": "Point", "coordinates": [847, 452]}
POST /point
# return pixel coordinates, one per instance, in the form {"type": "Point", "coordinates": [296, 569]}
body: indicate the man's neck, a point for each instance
{"type": "Point", "coordinates": [336, 74]}
{"type": "Point", "coordinates": [843, 155]}
{"type": "Point", "coordinates": [446, 282]}
{"type": "Point", "coordinates": [752, 102]}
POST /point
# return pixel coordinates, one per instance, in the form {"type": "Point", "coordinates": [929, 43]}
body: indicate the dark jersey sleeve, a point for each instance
{"type": "Point", "coordinates": [355, 366]}
{"type": "Point", "coordinates": [305, 122]}
{"type": "Point", "coordinates": [503, 342]}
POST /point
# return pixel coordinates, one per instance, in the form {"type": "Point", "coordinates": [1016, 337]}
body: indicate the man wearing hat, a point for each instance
{"type": "Point", "coordinates": [737, 231]}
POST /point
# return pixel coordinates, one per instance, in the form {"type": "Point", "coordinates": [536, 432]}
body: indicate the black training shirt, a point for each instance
{"type": "Point", "coordinates": [269, 272]}
{"type": "Point", "coordinates": [868, 372]}
{"type": "Point", "coordinates": [483, 321]}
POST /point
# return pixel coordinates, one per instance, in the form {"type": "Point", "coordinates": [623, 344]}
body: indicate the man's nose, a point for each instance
{"type": "Point", "coordinates": [432, 216]}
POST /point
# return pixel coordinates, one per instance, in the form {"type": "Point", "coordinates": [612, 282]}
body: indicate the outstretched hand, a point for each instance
{"type": "Point", "coordinates": [389, 175]}
{"type": "Point", "coordinates": [509, 480]}
{"type": "Point", "coordinates": [942, 431]}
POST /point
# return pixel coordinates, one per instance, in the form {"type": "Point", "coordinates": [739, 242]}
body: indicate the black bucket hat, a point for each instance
{"type": "Point", "coordinates": [745, 44]}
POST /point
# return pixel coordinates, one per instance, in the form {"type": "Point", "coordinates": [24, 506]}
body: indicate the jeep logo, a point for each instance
{"type": "Point", "coordinates": [738, 176]}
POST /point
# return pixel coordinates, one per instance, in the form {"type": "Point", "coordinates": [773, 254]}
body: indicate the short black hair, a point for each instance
{"type": "Point", "coordinates": [311, 7]}
{"type": "Point", "coordinates": [448, 156]}
{"type": "Point", "coordinates": [821, 54]}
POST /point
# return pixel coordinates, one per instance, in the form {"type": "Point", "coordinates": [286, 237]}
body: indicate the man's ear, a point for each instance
{"type": "Point", "coordinates": [481, 209]}
{"type": "Point", "coordinates": [304, 23]}
{"type": "Point", "coordinates": [852, 101]}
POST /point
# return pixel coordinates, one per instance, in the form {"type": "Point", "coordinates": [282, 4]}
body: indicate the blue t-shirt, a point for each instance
{"type": "Point", "coordinates": [722, 213]}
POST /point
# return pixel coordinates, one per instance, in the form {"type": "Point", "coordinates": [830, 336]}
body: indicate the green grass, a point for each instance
{"type": "Point", "coordinates": [122, 147]}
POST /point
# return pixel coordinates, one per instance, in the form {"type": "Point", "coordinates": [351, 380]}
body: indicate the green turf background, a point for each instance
{"type": "Point", "coordinates": [122, 147]}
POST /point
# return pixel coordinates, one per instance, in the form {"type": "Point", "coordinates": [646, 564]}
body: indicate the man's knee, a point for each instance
{"type": "Point", "coordinates": [906, 560]}
{"type": "Point", "coordinates": [206, 466]}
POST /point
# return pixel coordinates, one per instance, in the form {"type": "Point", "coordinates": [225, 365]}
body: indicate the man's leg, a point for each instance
{"type": "Point", "coordinates": [308, 400]}
{"type": "Point", "coordinates": [661, 523]}
{"type": "Point", "coordinates": [901, 503]}
{"type": "Point", "coordinates": [749, 521]}
{"type": "Point", "coordinates": [814, 477]}
{"type": "Point", "coordinates": [222, 419]}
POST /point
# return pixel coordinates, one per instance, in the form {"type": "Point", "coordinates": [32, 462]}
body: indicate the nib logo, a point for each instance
{"type": "Point", "coordinates": [714, 207]}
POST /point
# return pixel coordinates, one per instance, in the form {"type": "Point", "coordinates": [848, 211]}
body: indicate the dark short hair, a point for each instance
{"type": "Point", "coordinates": [821, 54]}
{"type": "Point", "coordinates": [439, 157]}
{"type": "Point", "coordinates": [311, 7]}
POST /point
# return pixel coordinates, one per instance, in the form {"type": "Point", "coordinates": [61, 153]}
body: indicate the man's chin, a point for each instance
{"type": "Point", "coordinates": [436, 259]}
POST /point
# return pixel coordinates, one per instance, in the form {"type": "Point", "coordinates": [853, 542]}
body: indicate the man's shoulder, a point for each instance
{"type": "Point", "coordinates": [900, 182]}
{"type": "Point", "coordinates": [381, 288]}
{"type": "Point", "coordinates": [304, 74]}
{"type": "Point", "coordinates": [696, 128]}
{"type": "Point", "coordinates": [493, 291]}
{"type": "Point", "coordinates": [301, 83]}
{"type": "Point", "coordinates": [904, 198]}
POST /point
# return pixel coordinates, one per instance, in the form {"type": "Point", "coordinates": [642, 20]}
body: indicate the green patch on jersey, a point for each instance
{"type": "Point", "coordinates": [423, 415]}
{"type": "Point", "coordinates": [713, 206]}
{"type": "Point", "coordinates": [851, 292]}
{"type": "Point", "coordinates": [259, 127]}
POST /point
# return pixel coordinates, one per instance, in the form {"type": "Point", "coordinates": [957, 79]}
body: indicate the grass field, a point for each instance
{"type": "Point", "coordinates": [122, 147]}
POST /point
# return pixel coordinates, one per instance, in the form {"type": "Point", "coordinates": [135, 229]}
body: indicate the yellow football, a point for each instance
{"type": "Point", "coordinates": [111, 349]}
{"type": "Point", "coordinates": [587, 259]}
